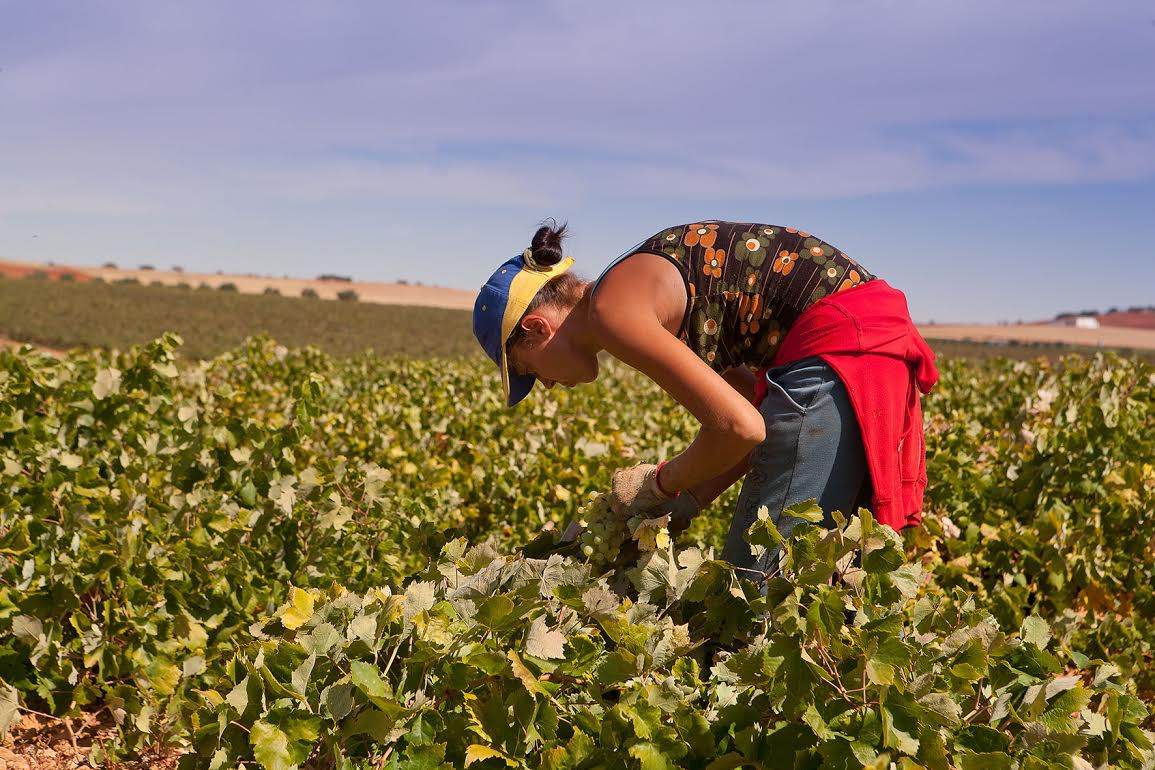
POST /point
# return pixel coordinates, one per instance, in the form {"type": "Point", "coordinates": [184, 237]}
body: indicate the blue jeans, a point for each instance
{"type": "Point", "coordinates": [813, 449]}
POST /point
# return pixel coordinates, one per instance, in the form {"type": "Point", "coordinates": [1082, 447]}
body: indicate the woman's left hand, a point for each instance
{"type": "Point", "coordinates": [636, 489]}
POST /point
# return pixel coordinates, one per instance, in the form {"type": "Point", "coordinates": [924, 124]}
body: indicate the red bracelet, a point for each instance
{"type": "Point", "coordinates": [658, 480]}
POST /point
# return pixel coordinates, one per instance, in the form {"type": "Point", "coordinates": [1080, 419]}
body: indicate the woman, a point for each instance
{"type": "Point", "coordinates": [803, 368]}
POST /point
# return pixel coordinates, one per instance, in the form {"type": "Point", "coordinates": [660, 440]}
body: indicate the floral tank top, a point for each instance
{"type": "Point", "coordinates": [747, 283]}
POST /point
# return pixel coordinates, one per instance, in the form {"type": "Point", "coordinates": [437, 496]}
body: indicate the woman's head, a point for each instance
{"type": "Point", "coordinates": [547, 340]}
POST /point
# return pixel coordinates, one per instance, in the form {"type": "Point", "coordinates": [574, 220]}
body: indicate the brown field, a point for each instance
{"type": "Point", "coordinates": [25, 269]}
{"type": "Point", "coordinates": [367, 291]}
{"type": "Point", "coordinates": [1106, 336]}
{"type": "Point", "coordinates": [1132, 319]}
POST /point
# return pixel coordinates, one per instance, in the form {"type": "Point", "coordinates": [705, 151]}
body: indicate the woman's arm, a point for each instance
{"type": "Point", "coordinates": [631, 316]}
{"type": "Point", "coordinates": [742, 380]}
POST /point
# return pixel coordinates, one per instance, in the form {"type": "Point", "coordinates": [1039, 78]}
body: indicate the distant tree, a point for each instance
{"type": "Point", "coordinates": [111, 265]}
{"type": "Point", "coordinates": [348, 295]}
{"type": "Point", "coordinates": [309, 293]}
{"type": "Point", "coordinates": [403, 281]}
{"type": "Point", "coordinates": [272, 290]}
{"type": "Point", "coordinates": [202, 286]}
{"type": "Point", "coordinates": [68, 276]}
{"type": "Point", "coordinates": [1112, 310]}
{"type": "Point", "coordinates": [332, 277]}
{"type": "Point", "coordinates": [147, 267]}
{"type": "Point", "coordinates": [127, 281]}
{"type": "Point", "coordinates": [227, 286]}
{"type": "Point", "coordinates": [183, 285]}
{"type": "Point", "coordinates": [156, 283]}
{"type": "Point", "coordinates": [177, 269]}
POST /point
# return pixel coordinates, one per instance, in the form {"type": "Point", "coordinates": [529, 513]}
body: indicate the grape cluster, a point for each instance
{"type": "Point", "coordinates": [604, 532]}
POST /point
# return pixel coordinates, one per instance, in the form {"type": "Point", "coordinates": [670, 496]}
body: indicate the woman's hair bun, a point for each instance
{"type": "Point", "coordinates": [545, 249]}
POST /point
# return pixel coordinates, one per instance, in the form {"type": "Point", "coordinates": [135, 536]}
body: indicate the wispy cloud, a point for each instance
{"type": "Point", "coordinates": [729, 100]}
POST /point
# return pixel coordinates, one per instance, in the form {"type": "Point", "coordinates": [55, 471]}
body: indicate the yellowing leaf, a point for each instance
{"type": "Point", "coordinates": [526, 676]}
{"type": "Point", "coordinates": [298, 609]}
{"type": "Point", "coordinates": [106, 383]}
{"type": "Point", "coordinates": [475, 752]}
{"type": "Point", "coordinates": [419, 597]}
{"type": "Point", "coordinates": [541, 642]}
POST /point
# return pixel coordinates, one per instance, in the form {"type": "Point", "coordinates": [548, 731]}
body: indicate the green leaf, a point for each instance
{"type": "Point", "coordinates": [981, 739]}
{"type": "Point", "coordinates": [367, 679]}
{"type": "Point", "coordinates": [971, 661]}
{"type": "Point", "coordinates": [807, 510]}
{"type": "Point", "coordinates": [651, 757]}
{"type": "Point", "coordinates": [377, 723]}
{"type": "Point", "coordinates": [9, 707]}
{"type": "Point", "coordinates": [899, 729]}
{"type": "Point", "coordinates": [943, 707]}
{"type": "Point", "coordinates": [239, 696]}
{"type": "Point", "coordinates": [985, 761]}
{"type": "Point", "coordinates": [283, 745]}
{"type": "Point", "coordinates": [1036, 631]}
{"type": "Point", "coordinates": [338, 699]}
{"type": "Point", "coordinates": [270, 746]}
{"type": "Point", "coordinates": [300, 676]}
{"type": "Point", "coordinates": [494, 611]}
{"type": "Point", "coordinates": [618, 666]}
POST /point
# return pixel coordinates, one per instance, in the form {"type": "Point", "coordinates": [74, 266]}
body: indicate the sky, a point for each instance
{"type": "Point", "coordinates": [994, 160]}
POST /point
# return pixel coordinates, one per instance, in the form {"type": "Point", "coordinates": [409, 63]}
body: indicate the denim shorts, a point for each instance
{"type": "Point", "coordinates": [813, 449]}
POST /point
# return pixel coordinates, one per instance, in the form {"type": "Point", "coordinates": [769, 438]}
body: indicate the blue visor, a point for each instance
{"type": "Point", "coordinates": [499, 307]}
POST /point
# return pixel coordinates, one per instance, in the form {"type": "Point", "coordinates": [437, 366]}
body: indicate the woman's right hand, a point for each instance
{"type": "Point", "coordinates": [636, 490]}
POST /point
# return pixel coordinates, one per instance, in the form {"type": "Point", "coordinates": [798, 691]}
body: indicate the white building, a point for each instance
{"type": "Point", "coordinates": [1079, 321]}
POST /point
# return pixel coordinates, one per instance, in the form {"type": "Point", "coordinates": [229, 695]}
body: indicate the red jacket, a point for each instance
{"type": "Point", "coordinates": [865, 334]}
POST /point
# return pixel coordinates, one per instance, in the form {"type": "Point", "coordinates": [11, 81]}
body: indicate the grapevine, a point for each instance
{"type": "Point", "coordinates": [281, 559]}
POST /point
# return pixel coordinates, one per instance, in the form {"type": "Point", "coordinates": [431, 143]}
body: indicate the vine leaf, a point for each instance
{"type": "Point", "coordinates": [541, 642]}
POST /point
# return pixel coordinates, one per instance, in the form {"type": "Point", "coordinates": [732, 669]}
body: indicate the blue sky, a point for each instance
{"type": "Point", "coordinates": [994, 160]}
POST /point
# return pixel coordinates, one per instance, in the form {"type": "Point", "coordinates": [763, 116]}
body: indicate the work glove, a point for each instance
{"type": "Point", "coordinates": [635, 490]}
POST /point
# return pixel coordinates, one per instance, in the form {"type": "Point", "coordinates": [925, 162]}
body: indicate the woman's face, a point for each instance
{"type": "Point", "coordinates": [548, 352]}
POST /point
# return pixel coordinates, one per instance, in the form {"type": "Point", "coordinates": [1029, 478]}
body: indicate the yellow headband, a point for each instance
{"type": "Point", "coordinates": [524, 287]}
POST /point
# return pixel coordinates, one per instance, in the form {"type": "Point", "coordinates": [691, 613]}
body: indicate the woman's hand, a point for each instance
{"type": "Point", "coordinates": [636, 489]}
{"type": "Point", "coordinates": [682, 509]}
